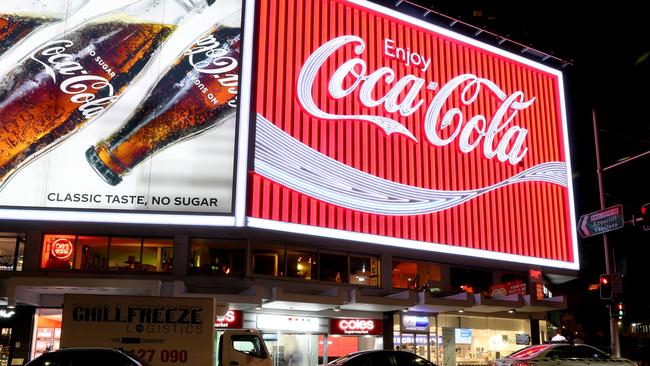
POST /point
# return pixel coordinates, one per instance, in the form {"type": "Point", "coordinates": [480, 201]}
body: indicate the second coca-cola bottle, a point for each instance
{"type": "Point", "coordinates": [197, 93]}
{"type": "Point", "coordinates": [20, 18]}
{"type": "Point", "coordinates": [72, 79]}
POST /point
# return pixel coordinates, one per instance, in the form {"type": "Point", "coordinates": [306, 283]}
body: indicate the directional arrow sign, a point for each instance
{"type": "Point", "coordinates": [600, 222]}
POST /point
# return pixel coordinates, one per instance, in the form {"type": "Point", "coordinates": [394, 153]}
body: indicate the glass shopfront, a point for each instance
{"type": "Point", "coordinates": [47, 332]}
{"type": "Point", "coordinates": [460, 340]}
{"type": "Point", "coordinates": [349, 335]}
{"type": "Point", "coordinates": [15, 334]}
{"type": "Point", "coordinates": [416, 334]}
{"type": "Point", "coordinates": [291, 340]}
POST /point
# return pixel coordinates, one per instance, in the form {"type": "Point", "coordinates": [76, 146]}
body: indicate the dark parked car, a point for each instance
{"type": "Point", "coordinates": [86, 357]}
{"type": "Point", "coordinates": [381, 358]}
{"type": "Point", "coordinates": [562, 354]}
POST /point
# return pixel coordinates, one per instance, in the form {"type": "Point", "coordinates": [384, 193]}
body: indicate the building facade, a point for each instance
{"type": "Point", "coordinates": [342, 176]}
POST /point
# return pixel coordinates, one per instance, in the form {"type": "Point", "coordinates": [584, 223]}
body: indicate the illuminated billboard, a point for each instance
{"type": "Point", "coordinates": [374, 126]}
{"type": "Point", "coordinates": [114, 110]}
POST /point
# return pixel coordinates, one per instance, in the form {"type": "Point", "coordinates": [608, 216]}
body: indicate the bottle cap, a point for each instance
{"type": "Point", "coordinates": [105, 172]}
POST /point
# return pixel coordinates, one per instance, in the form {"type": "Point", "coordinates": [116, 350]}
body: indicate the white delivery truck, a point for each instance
{"type": "Point", "coordinates": [162, 331]}
{"type": "Point", "coordinates": [242, 347]}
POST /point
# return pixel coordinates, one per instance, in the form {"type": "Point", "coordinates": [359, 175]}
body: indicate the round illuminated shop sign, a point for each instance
{"type": "Point", "coordinates": [62, 249]}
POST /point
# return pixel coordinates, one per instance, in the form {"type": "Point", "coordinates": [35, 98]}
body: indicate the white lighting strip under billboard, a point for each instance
{"type": "Point", "coordinates": [117, 217]}
{"type": "Point", "coordinates": [408, 244]}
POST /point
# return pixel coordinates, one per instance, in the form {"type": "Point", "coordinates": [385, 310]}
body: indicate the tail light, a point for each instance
{"type": "Point", "coordinates": [525, 364]}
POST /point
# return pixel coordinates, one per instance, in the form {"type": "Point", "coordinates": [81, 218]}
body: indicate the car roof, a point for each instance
{"type": "Point", "coordinates": [78, 349]}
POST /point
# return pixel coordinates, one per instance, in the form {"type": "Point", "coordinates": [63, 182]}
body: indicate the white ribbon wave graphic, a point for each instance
{"type": "Point", "coordinates": [285, 160]}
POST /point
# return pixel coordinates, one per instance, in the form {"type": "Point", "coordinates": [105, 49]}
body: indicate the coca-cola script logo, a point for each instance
{"type": "Point", "coordinates": [77, 82]}
{"type": "Point", "coordinates": [283, 159]}
{"type": "Point", "coordinates": [209, 56]}
{"type": "Point", "coordinates": [470, 131]}
{"type": "Point", "coordinates": [61, 249]}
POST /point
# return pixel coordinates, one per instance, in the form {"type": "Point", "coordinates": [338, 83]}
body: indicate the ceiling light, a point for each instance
{"type": "Point", "coordinates": [461, 310]}
{"type": "Point", "coordinates": [511, 311]}
{"type": "Point", "coordinates": [337, 308]}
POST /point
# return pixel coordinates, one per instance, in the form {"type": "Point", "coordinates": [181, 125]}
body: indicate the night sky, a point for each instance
{"type": "Point", "coordinates": [608, 46]}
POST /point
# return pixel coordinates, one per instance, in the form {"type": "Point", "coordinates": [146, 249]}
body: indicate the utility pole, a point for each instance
{"type": "Point", "coordinates": [609, 265]}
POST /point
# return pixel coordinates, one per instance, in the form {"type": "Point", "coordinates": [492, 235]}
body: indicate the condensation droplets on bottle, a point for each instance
{"type": "Point", "coordinates": [198, 92]}
{"type": "Point", "coordinates": [73, 78]}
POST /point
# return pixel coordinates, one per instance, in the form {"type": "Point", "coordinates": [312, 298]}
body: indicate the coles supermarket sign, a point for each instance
{"type": "Point", "coordinates": [374, 126]}
{"type": "Point", "coordinates": [356, 326]}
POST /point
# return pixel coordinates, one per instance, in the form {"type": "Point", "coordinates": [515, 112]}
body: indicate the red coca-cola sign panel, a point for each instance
{"type": "Point", "coordinates": [374, 126]}
{"type": "Point", "coordinates": [356, 326]}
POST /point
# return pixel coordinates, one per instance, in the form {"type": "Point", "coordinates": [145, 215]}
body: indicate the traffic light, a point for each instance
{"type": "Point", "coordinates": [617, 310]}
{"type": "Point", "coordinates": [645, 215]}
{"type": "Point", "coordinates": [605, 286]}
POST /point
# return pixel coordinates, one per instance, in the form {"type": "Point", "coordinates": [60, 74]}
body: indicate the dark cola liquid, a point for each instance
{"type": "Point", "coordinates": [14, 28]}
{"type": "Point", "coordinates": [68, 81]}
{"type": "Point", "coordinates": [193, 96]}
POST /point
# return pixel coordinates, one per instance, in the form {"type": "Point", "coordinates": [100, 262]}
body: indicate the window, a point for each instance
{"type": "Point", "coordinates": [364, 270]}
{"type": "Point", "coordinates": [416, 275]}
{"type": "Point", "coordinates": [91, 253]}
{"type": "Point", "coordinates": [12, 247]}
{"type": "Point", "coordinates": [58, 252]}
{"type": "Point", "coordinates": [278, 260]}
{"type": "Point", "coordinates": [469, 280]}
{"type": "Point", "coordinates": [125, 254]}
{"type": "Point", "coordinates": [268, 259]}
{"type": "Point", "coordinates": [302, 264]}
{"type": "Point", "coordinates": [157, 255]}
{"type": "Point", "coordinates": [224, 257]}
{"type": "Point", "coordinates": [248, 344]}
{"type": "Point", "coordinates": [334, 267]}
{"type": "Point", "coordinates": [103, 253]}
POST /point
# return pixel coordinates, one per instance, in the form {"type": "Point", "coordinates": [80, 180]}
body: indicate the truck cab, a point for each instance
{"type": "Point", "coordinates": [243, 347]}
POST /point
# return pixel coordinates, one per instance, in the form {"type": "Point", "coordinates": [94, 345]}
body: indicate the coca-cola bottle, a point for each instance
{"type": "Point", "coordinates": [20, 18]}
{"type": "Point", "coordinates": [198, 92]}
{"type": "Point", "coordinates": [72, 79]}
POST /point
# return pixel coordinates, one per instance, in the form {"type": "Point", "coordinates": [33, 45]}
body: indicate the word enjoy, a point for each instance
{"type": "Point", "coordinates": [495, 134]}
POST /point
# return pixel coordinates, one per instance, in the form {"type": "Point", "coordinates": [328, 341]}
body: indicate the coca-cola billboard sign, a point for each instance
{"type": "Point", "coordinates": [355, 326]}
{"type": "Point", "coordinates": [123, 112]}
{"type": "Point", "coordinates": [374, 126]}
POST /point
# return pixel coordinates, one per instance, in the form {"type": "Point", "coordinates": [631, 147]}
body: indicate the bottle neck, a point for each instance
{"type": "Point", "coordinates": [170, 12]}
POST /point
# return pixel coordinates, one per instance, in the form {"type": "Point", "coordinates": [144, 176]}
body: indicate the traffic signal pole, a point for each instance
{"type": "Point", "coordinates": [609, 265]}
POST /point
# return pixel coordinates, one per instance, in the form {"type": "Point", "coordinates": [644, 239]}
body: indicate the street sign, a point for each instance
{"type": "Point", "coordinates": [600, 222]}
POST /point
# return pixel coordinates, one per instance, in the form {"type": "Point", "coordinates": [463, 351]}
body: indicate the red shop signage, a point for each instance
{"type": "Point", "coordinates": [374, 126]}
{"type": "Point", "coordinates": [509, 288]}
{"type": "Point", "coordinates": [62, 249]}
{"type": "Point", "coordinates": [234, 319]}
{"type": "Point", "coordinates": [356, 326]}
